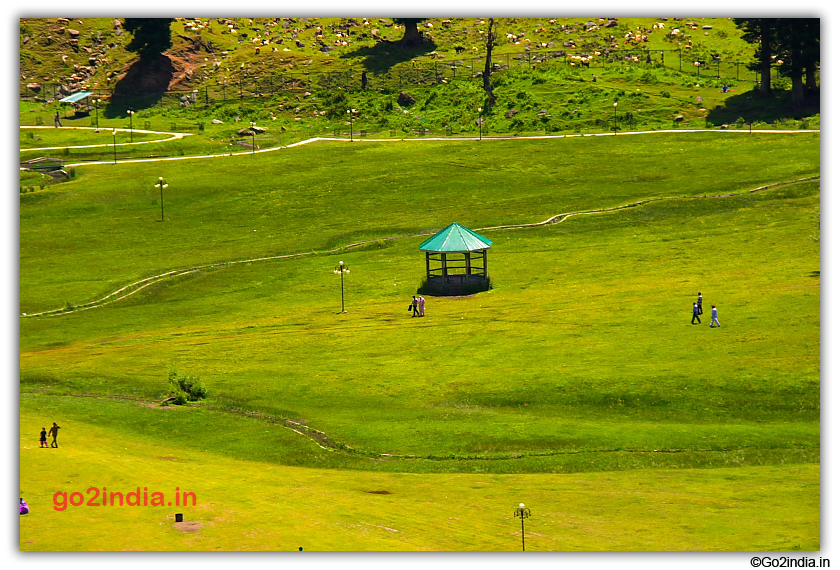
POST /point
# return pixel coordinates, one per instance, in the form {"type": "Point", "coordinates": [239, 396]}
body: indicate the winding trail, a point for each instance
{"type": "Point", "coordinates": [172, 137]}
{"type": "Point", "coordinates": [318, 437]}
{"type": "Point", "coordinates": [136, 286]}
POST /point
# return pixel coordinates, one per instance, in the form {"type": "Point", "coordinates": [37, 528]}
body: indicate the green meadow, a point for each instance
{"type": "Point", "coordinates": [576, 382]}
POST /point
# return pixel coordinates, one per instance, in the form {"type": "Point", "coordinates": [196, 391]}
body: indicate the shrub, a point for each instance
{"type": "Point", "coordinates": [184, 389]}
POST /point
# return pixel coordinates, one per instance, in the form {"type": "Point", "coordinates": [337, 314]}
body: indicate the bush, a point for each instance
{"type": "Point", "coordinates": [186, 388]}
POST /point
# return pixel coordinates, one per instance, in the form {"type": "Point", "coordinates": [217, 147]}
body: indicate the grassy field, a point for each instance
{"type": "Point", "coordinates": [578, 371]}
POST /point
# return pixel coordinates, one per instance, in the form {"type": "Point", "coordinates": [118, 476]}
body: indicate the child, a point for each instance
{"type": "Point", "coordinates": [714, 317]}
{"type": "Point", "coordinates": [43, 437]}
{"type": "Point", "coordinates": [24, 508]}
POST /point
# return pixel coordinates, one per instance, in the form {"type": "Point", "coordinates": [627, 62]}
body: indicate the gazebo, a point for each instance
{"type": "Point", "coordinates": [456, 261]}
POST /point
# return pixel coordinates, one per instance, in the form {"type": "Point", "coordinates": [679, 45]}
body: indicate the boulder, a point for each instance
{"type": "Point", "coordinates": [678, 118]}
{"type": "Point", "coordinates": [511, 113]}
{"type": "Point", "coordinates": [217, 122]}
{"type": "Point", "coordinates": [73, 33]}
{"type": "Point", "coordinates": [406, 100]}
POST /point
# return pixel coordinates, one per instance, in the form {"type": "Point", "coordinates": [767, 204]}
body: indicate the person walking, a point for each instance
{"type": "Point", "coordinates": [700, 302]}
{"type": "Point", "coordinates": [44, 437]}
{"type": "Point", "coordinates": [414, 303]}
{"type": "Point", "coordinates": [24, 508]}
{"type": "Point", "coordinates": [696, 314]}
{"type": "Point", "coordinates": [714, 317]}
{"type": "Point", "coordinates": [54, 434]}
{"type": "Point", "coordinates": [57, 119]}
{"type": "Point", "coordinates": [421, 305]}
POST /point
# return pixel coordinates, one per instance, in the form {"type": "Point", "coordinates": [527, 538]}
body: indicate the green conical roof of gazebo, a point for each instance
{"type": "Point", "coordinates": [455, 239]}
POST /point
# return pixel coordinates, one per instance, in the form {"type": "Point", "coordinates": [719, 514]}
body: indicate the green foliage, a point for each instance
{"type": "Point", "coordinates": [151, 36]}
{"type": "Point", "coordinates": [186, 388]}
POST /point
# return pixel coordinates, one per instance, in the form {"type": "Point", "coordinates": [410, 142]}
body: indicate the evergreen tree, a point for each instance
{"type": "Point", "coordinates": [152, 36]}
{"type": "Point", "coordinates": [761, 31]}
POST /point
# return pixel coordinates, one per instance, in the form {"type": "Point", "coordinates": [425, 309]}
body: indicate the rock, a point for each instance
{"type": "Point", "coordinates": [406, 100]}
{"type": "Point", "coordinates": [511, 113]}
{"type": "Point", "coordinates": [73, 33]}
{"type": "Point", "coordinates": [678, 118]}
{"type": "Point", "coordinates": [611, 23]}
{"type": "Point", "coordinates": [259, 130]}
{"type": "Point", "coordinates": [217, 122]}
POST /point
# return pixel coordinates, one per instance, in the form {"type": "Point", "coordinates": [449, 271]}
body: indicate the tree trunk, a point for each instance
{"type": "Point", "coordinates": [764, 89]}
{"type": "Point", "coordinates": [412, 34]}
{"type": "Point", "coordinates": [488, 68]}
{"type": "Point", "coordinates": [811, 79]}
{"type": "Point", "coordinates": [765, 51]}
{"type": "Point", "coordinates": [797, 92]}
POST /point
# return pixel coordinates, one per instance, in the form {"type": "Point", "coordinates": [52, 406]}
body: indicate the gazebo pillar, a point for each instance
{"type": "Point", "coordinates": [444, 271]}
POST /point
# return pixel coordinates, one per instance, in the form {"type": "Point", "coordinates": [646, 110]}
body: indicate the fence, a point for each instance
{"type": "Point", "coordinates": [243, 86]}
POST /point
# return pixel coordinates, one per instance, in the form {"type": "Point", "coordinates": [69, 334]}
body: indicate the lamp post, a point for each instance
{"type": "Point", "coordinates": [96, 103]}
{"type": "Point", "coordinates": [341, 269]}
{"type": "Point", "coordinates": [131, 125]}
{"type": "Point", "coordinates": [253, 138]}
{"type": "Point", "coordinates": [479, 123]}
{"type": "Point", "coordinates": [523, 514]}
{"type": "Point", "coordinates": [161, 184]}
{"type": "Point", "coordinates": [350, 114]}
{"type": "Point", "coordinates": [115, 145]}
{"type": "Point", "coordinates": [615, 118]}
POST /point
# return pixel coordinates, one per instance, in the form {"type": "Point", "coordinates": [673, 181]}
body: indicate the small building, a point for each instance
{"type": "Point", "coordinates": [456, 261]}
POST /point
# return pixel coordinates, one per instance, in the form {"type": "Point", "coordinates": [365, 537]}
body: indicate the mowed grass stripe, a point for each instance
{"type": "Point", "coordinates": [101, 224]}
{"type": "Point", "coordinates": [248, 505]}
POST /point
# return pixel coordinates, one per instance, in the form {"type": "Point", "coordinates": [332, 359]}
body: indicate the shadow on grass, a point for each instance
{"type": "Point", "coordinates": [754, 108]}
{"type": "Point", "coordinates": [142, 87]}
{"type": "Point", "coordinates": [381, 57]}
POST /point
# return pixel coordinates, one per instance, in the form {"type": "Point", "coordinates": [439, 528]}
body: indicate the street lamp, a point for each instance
{"type": "Point", "coordinates": [341, 269]}
{"type": "Point", "coordinates": [253, 137]}
{"type": "Point", "coordinates": [131, 125]}
{"type": "Point", "coordinates": [115, 145]}
{"type": "Point", "coordinates": [161, 184]}
{"type": "Point", "coordinates": [350, 114]}
{"type": "Point", "coordinates": [615, 117]}
{"type": "Point", "coordinates": [96, 103]}
{"type": "Point", "coordinates": [523, 514]}
{"type": "Point", "coordinates": [479, 123]}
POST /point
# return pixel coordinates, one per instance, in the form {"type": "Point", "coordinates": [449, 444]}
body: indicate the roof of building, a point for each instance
{"type": "Point", "coordinates": [76, 97]}
{"type": "Point", "coordinates": [455, 238]}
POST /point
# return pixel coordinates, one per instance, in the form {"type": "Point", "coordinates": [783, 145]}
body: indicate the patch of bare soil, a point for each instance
{"type": "Point", "coordinates": [188, 526]}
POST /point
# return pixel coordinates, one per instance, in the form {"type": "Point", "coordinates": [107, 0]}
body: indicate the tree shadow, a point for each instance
{"type": "Point", "coordinates": [143, 86]}
{"type": "Point", "coordinates": [754, 108]}
{"type": "Point", "coordinates": [380, 58]}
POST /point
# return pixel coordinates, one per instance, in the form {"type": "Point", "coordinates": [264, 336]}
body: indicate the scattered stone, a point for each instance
{"type": "Point", "coordinates": [678, 118]}
{"type": "Point", "coordinates": [217, 122]}
{"type": "Point", "coordinates": [73, 33]}
{"type": "Point", "coordinates": [511, 113]}
{"type": "Point", "coordinates": [405, 99]}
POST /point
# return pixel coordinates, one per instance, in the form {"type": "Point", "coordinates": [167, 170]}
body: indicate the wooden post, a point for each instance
{"type": "Point", "coordinates": [484, 252]}
{"type": "Point", "coordinates": [444, 272]}
{"type": "Point", "coordinates": [468, 259]}
{"type": "Point", "coordinates": [428, 267]}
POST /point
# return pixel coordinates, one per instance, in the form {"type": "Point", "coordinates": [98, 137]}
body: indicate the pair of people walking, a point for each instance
{"type": "Point", "coordinates": [698, 310]}
{"type": "Point", "coordinates": [418, 305]}
{"type": "Point", "coordinates": [52, 433]}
